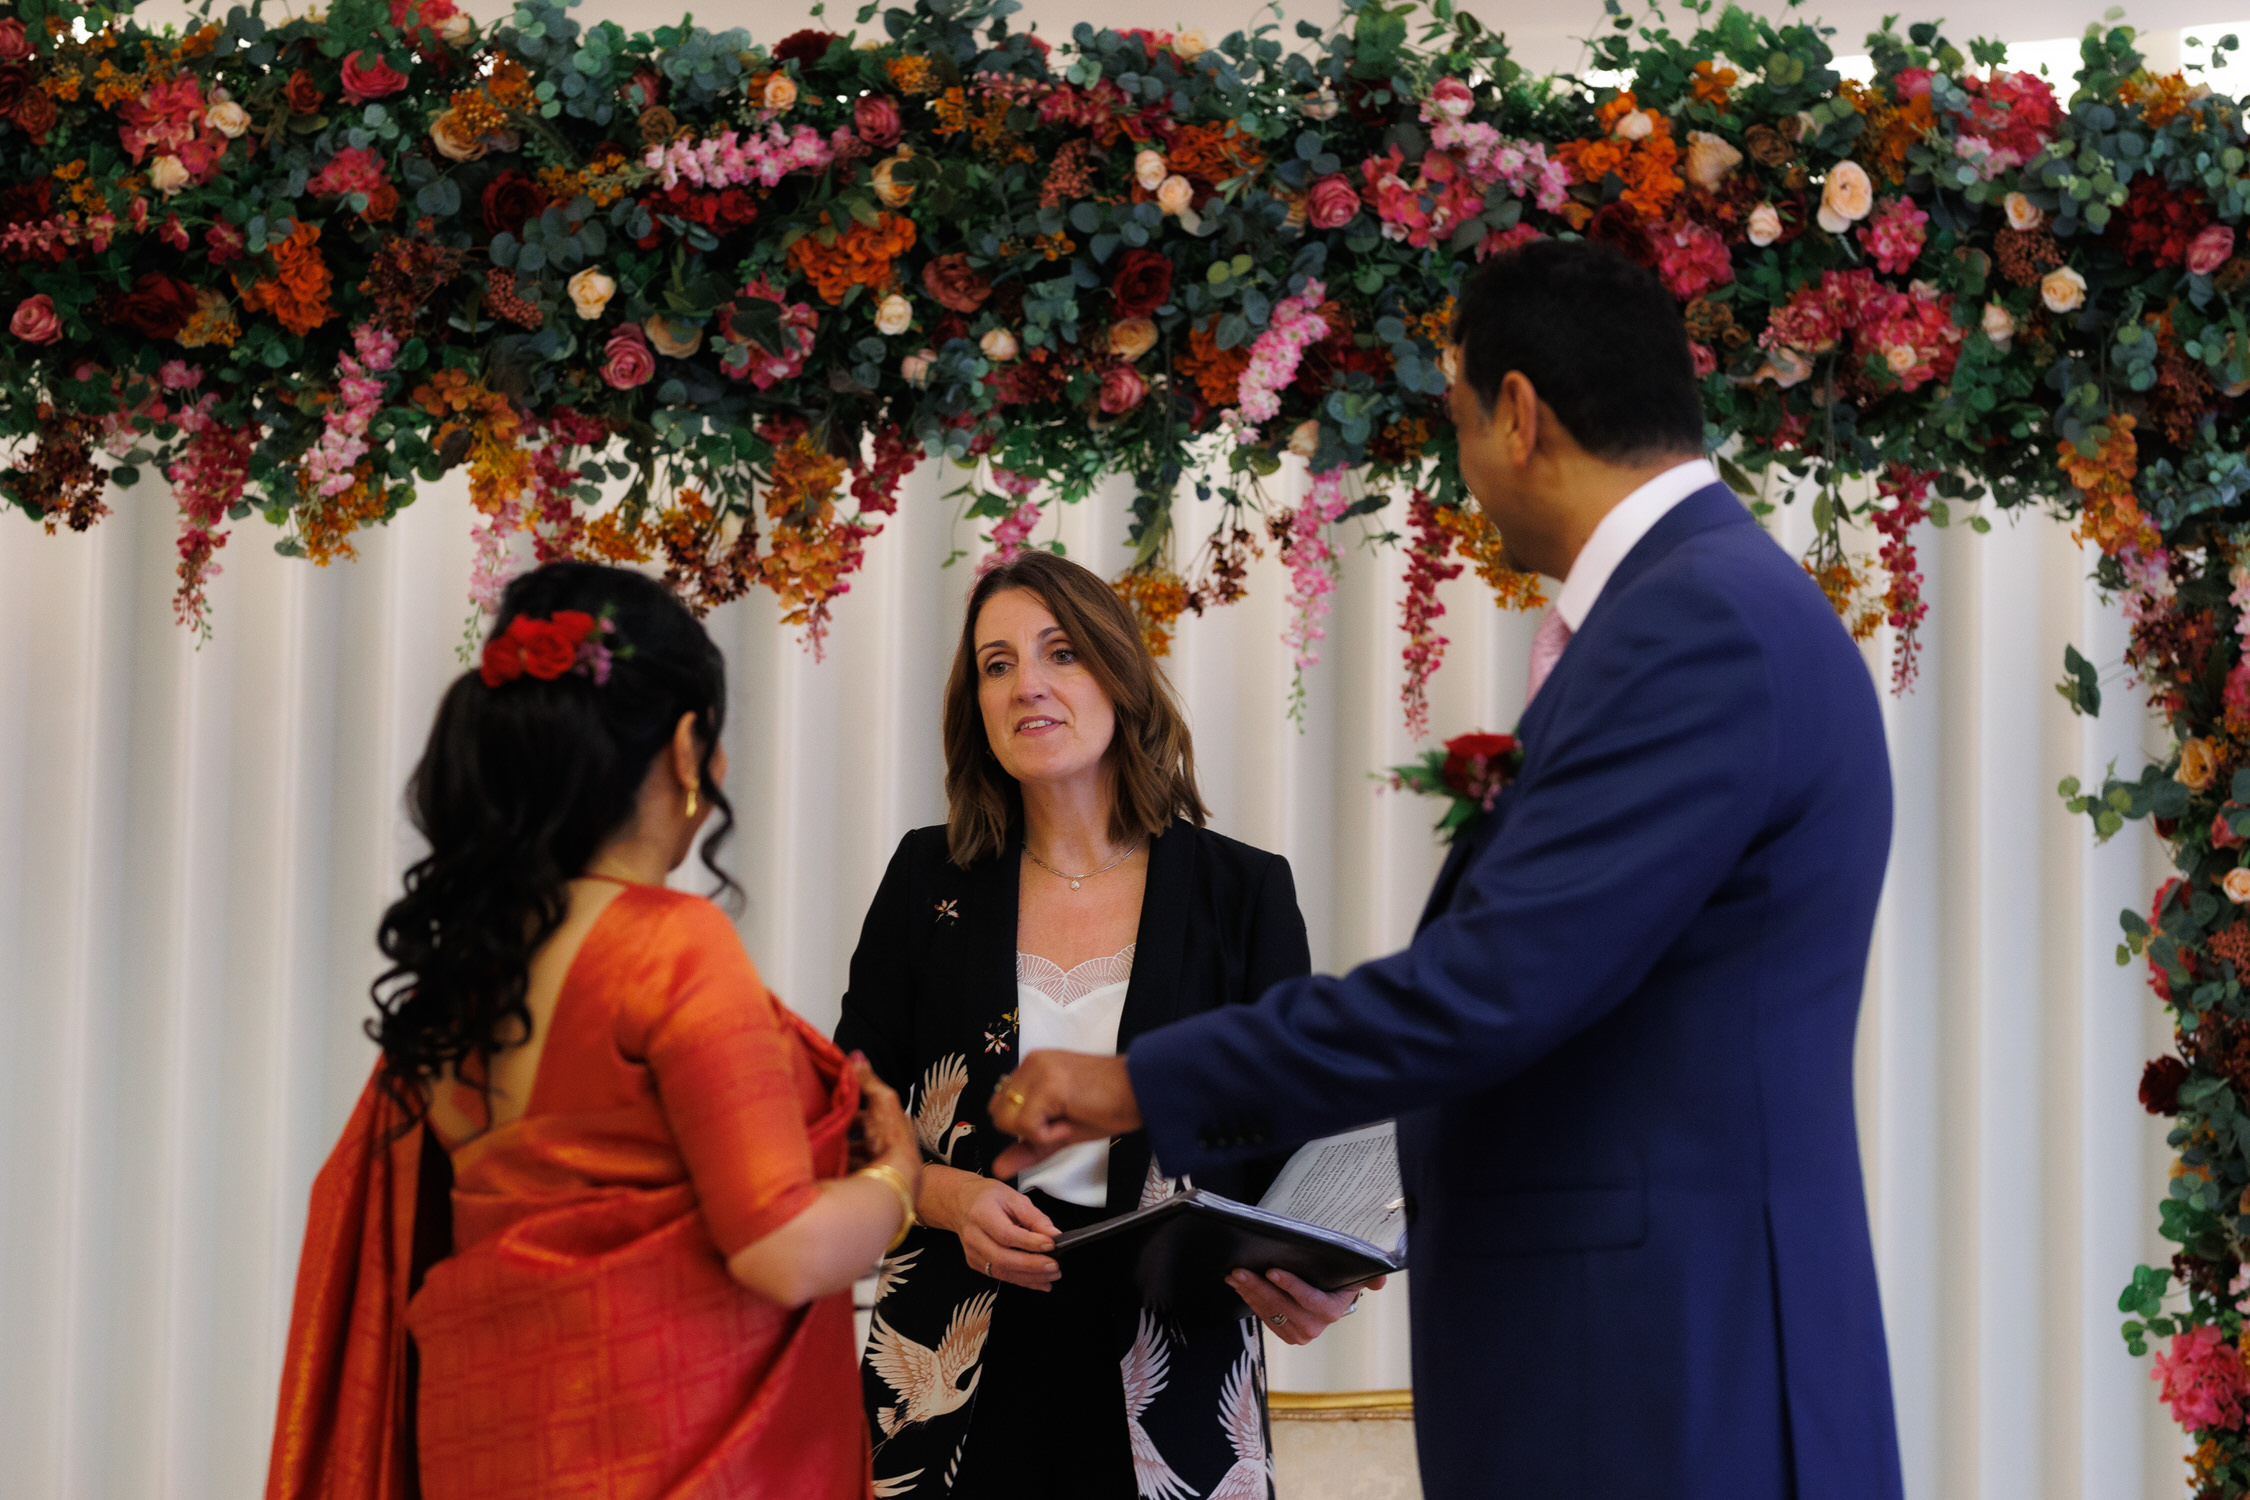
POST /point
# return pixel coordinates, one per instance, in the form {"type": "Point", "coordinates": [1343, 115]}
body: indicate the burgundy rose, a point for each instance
{"type": "Point", "coordinates": [15, 42]}
{"type": "Point", "coordinates": [157, 307]}
{"type": "Point", "coordinates": [369, 78]}
{"type": "Point", "coordinates": [1333, 202]}
{"type": "Point", "coordinates": [1142, 283]}
{"type": "Point", "coordinates": [2160, 1085]}
{"type": "Point", "coordinates": [36, 321]}
{"type": "Point", "coordinates": [875, 117]}
{"type": "Point", "coordinates": [225, 242]}
{"type": "Point", "coordinates": [35, 116]}
{"type": "Point", "coordinates": [627, 361]}
{"type": "Point", "coordinates": [955, 284]}
{"type": "Point", "coordinates": [510, 200]}
{"type": "Point", "coordinates": [804, 48]}
{"type": "Point", "coordinates": [15, 84]}
{"type": "Point", "coordinates": [303, 94]}
{"type": "Point", "coordinates": [1123, 388]}
{"type": "Point", "coordinates": [649, 85]}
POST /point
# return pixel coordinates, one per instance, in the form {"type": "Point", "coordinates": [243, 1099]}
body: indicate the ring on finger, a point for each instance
{"type": "Point", "coordinates": [1279, 1319]}
{"type": "Point", "coordinates": [988, 1268]}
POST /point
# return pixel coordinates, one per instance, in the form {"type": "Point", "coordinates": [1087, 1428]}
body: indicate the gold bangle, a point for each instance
{"type": "Point", "coordinates": [883, 1171]}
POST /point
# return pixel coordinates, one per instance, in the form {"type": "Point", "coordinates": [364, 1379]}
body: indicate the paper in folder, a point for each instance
{"type": "Point", "coordinates": [1336, 1216]}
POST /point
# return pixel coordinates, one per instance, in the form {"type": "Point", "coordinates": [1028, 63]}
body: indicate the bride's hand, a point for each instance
{"type": "Point", "coordinates": [1293, 1310]}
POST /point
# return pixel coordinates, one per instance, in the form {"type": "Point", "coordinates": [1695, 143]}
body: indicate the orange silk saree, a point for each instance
{"type": "Point", "coordinates": [584, 1338]}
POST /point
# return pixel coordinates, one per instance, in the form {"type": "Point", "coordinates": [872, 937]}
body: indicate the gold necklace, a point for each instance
{"type": "Point", "coordinates": [1130, 850]}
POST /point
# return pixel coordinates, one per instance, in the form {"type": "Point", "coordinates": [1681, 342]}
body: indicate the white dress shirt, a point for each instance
{"type": "Point", "coordinates": [1621, 530]}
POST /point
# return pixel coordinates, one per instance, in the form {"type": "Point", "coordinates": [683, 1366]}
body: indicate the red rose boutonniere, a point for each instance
{"type": "Point", "coordinates": [1470, 772]}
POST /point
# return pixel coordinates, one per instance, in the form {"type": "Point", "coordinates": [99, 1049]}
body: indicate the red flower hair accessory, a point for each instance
{"type": "Point", "coordinates": [570, 640]}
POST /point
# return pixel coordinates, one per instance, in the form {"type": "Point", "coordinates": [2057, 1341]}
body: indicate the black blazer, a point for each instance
{"type": "Point", "coordinates": [934, 975]}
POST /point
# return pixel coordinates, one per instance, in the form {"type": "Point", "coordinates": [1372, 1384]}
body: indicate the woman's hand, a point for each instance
{"type": "Point", "coordinates": [1295, 1311]}
{"type": "Point", "coordinates": [1003, 1233]}
{"type": "Point", "coordinates": [886, 1136]}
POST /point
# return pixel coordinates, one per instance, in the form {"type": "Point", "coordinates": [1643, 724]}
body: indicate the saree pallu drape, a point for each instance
{"type": "Point", "coordinates": [585, 1339]}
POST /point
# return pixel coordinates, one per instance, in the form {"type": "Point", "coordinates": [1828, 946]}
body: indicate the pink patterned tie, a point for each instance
{"type": "Point", "coordinates": [1546, 650]}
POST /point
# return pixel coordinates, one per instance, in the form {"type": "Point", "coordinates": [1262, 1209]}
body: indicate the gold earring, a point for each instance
{"type": "Point", "coordinates": [691, 802]}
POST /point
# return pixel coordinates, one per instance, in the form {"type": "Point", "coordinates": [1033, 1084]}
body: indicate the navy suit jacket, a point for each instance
{"type": "Point", "coordinates": [1620, 1053]}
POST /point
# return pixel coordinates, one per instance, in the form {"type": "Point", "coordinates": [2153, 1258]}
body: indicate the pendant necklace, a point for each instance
{"type": "Point", "coordinates": [1130, 850]}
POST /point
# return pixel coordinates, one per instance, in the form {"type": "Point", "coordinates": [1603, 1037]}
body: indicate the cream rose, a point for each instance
{"type": "Point", "coordinates": [167, 174]}
{"type": "Point", "coordinates": [455, 29]}
{"type": "Point", "coordinates": [228, 118]}
{"type": "Point", "coordinates": [1132, 338]}
{"type": "Point", "coordinates": [781, 92]}
{"type": "Point", "coordinates": [1845, 197]}
{"type": "Point", "coordinates": [670, 339]}
{"type": "Point", "coordinates": [1709, 160]}
{"type": "Point", "coordinates": [2062, 289]}
{"type": "Point", "coordinates": [1190, 45]}
{"type": "Point", "coordinates": [1150, 169]}
{"type": "Point", "coordinates": [1638, 125]}
{"type": "Point", "coordinates": [894, 315]}
{"type": "Point", "coordinates": [453, 140]}
{"type": "Point", "coordinates": [1764, 226]}
{"type": "Point", "coordinates": [1305, 440]}
{"type": "Point", "coordinates": [1900, 357]}
{"type": "Point", "coordinates": [1999, 324]}
{"type": "Point", "coordinates": [590, 292]}
{"type": "Point", "coordinates": [895, 194]}
{"type": "Point", "coordinates": [2237, 886]}
{"type": "Point", "coordinates": [999, 346]}
{"type": "Point", "coordinates": [916, 366]}
{"type": "Point", "coordinates": [1784, 367]}
{"type": "Point", "coordinates": [1175, 195]}
{"type": "Point", "coordinates": [2199, 764]}
{"type": "Point", "coordinates": [2023, 214]}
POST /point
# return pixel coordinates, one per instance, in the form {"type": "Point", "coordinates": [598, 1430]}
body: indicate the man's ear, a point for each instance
{"type": "Point", "coordinates": [1517, 408]}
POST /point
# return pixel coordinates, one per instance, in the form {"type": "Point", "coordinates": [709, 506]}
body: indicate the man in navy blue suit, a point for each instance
{"type": "Point", "coordinates": [1619, 1048]}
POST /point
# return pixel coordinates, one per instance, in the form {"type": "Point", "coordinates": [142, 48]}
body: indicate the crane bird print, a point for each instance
{"type": "Point", "coordinates": [928, 1381]}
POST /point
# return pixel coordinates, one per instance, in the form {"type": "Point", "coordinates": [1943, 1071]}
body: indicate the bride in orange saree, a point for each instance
{"type": "Point", "coordinates": [591, 1229]}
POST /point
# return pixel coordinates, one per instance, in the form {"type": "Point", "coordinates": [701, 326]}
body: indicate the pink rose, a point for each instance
{"type": "Point", "coordinates": [15, 42]}
{"type": "Point", "coordinates": [173, 232]}
{"type": "Point", "coordinates": [36, 321]}
{"type": "Point", "coordinates": [1333, 202]}
{"type": "Point", "coordinates": [2209, 250]}
{"type": "Point", "coordinates": [1123, 388]}
{"type": "Point", "coordinates": [368, 78]}
{"type": "Point", "coordinates": [627, 361]}
{"type": "Point", "coordinates": [2223, 835]}
{"type": "Point", "coordinates": [225, 242]}
{"type": "Point", "coordinates": [875, 117]}
{"type": "Point", "coordinates": [1452, 99]}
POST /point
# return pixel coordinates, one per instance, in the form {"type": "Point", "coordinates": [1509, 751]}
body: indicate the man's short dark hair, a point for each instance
{"type": "Point", "coordinates": [1598, 337]}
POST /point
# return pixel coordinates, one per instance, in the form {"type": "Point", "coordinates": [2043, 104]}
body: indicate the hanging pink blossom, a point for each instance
{"type": "Point", "coordinates": [730, 159]}
{"type": "Point", "coordinates": [2201, 1378]}
{"type": "Point", "coordinates": [1013, 531]}
{"type": "Point", "coordinates": [331, 465]}
{"type": "Point", "coordinates": [207, 479]}
{"type": "Point", "coordinates": [1295, 327]}
{"type": "Point", "coordinates": [1426, 568]}
{"type": "Point", "coordinates": [1312, 574]}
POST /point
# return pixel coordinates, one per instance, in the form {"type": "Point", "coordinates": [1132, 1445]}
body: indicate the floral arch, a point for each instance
{"type": "Point", "coordinates": [690, 299]}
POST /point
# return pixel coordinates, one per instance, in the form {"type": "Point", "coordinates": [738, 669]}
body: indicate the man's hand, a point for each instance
{"type": "Point", "coordinates": [1057, 1099]}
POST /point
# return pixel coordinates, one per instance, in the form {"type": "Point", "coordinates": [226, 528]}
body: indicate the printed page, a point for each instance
{"type": "Point", "coordinates": [1348, 1183]}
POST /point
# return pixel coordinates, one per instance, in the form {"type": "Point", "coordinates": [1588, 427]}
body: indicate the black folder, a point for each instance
{"type": "Point", "coordinates": [1179, 1250]}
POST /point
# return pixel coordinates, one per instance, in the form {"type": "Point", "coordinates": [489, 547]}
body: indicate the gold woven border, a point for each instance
{"type": "Point", "coordinates": [1341, 1406]}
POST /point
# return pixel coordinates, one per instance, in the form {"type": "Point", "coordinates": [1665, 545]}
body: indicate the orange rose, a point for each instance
{"type": "Point", "coordinates": [2199, 764]}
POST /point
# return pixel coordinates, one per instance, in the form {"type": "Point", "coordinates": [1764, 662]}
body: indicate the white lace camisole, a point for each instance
{"type": "Point", "coordinates": [1076, 1010]}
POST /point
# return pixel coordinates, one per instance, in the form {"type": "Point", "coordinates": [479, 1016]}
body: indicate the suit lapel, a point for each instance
{"type": "Point", "coordinates": [1152, 998]}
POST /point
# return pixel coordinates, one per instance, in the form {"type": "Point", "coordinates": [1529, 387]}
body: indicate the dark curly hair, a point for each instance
{"type": "Point", "coordinates": [517, 789]}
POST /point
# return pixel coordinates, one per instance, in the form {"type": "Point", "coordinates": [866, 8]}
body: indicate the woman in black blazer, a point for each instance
{"type": "Point", "coordinates": [1072, 898]}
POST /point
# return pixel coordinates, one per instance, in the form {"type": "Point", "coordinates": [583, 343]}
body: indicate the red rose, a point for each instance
{"type": "Point", "coordinates": [1332, 203]}
{"type": "Point", "coordinates": [649, 83]}
{"type": "Point", "coordinates": [15, 84]}
{"type": "Point", "coordinates": [1123, 388]}
{"type": "Point", "coordinates": [875, 117]}
{"type": "Point", "coordinates": [547, 651]}
{"type": "Point", "coordinates": [804, 48]}
{"type": "Point", "coordinates": [1490, 746]}
{"type": "Point", "coordinates": [1477, 766]}
{"type": "Point", "coordinates": [2160, 1085]}
{"type": "Point", "coordinates": [502, 662]}
{"type": "Point", "coordinates": [955, 285]}
{"type": "Point", "coordinates": [511, 199]}
{"type": "Point", "coordinates": [36, 321]}
{"type": "Point", "coordinates": [369, 78]}
{"type": "Point", "coordinates": [575, 624]}
{"type": "Point", "coordinates": [303, 94]}
{"type": "Point", "coordinates": [627, 361]}
{"type": "Point", "coordinates": [1142, 283]}
{"type": "Point", "coordinates": [35, 115]}
{"type": "Point", "coordinates": [15, 42]}
{"type": "Point", "coordinates": [157, 307]}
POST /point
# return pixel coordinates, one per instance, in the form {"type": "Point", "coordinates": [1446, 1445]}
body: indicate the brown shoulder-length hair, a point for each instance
{"type": "Point", "coordinates": [1151, 757]}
